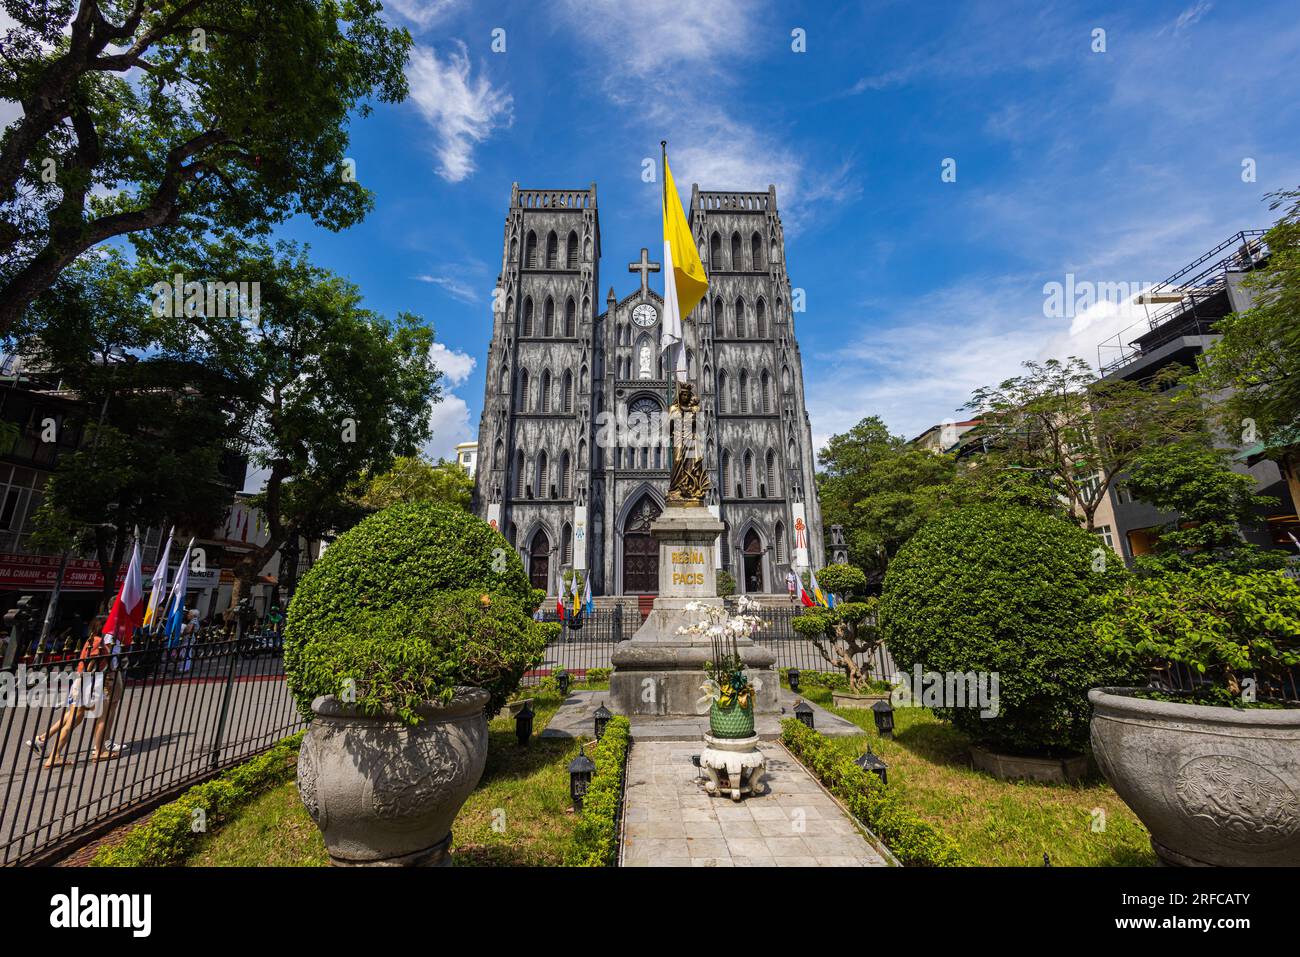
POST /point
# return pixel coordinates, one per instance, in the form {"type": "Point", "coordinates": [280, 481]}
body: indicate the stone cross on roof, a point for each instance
{"type": "Point", "coordinates": [645, 267]}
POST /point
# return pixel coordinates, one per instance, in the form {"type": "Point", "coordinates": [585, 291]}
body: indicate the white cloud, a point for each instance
{"type": "Point", "coordinates": [455, 365]}
{"type": "Point", "coordinates": [463, 112]}
{"type": "Point", "coordinates": [449, 420]}
{"type": "Point", "coordinates": [456, 288]}
{"type": "Point", "coordinates": [420, 14]}
{"type": "Point", "coordinates": [1191, 16]}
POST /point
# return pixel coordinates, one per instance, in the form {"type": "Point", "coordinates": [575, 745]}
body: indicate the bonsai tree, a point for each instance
{"type": "Point", "coordinates": [1006, 591]}
{"type": "Point", "coordinates": [1231, 628]}
{"type": "Point", "coordinates": [726, 584]}
{"type": "Point", "coordinates": [849, 630]}
{"type": "Point", "coordinates": [405, 607]}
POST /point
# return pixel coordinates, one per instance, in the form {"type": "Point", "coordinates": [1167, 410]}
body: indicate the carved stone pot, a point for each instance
{"type": "Point", "coordinates": [384, 793]}
{"type": "Point", "coordinates": [1214, 786]}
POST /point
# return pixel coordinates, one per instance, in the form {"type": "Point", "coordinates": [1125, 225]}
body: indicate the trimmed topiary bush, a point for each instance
{"type": "Point", "coordinates": [406, 606]}
{"type": "Point", "coordinates": [1011, 591]}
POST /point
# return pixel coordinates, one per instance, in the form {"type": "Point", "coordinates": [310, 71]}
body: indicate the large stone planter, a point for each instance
{"type": "Point", "coordinates": [1014, 767]}
{"type": "Point", "coordinates": [384, 793]}
{"type": "Point", "coordinates": [1214, 786]}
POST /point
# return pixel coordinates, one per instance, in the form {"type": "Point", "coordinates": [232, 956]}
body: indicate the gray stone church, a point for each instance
{"type": "Point", "coordinates": [573, 444]}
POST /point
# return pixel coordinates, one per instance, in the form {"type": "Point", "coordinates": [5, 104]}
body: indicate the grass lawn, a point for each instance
{"type": "Point", "coordinates": [518, 814]}
{"type": "Point", "coordinates": [997, 823]}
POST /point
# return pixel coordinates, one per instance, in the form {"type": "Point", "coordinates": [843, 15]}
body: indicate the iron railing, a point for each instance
{"type": "Point", "coordinates": [182, 713]}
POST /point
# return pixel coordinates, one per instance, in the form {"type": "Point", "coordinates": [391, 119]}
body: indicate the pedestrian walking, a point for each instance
{"type": "Point", "coordinates": [791, 584]}
{"type": "Point", "coordinates": [96, 690]}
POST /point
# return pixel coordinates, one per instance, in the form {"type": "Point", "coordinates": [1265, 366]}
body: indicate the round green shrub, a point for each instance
{"type": "Point", "coordinates": [410, 603]}
{"type": "Point", "coordinates": [843, 581]}
{"type": "Point", "coordinates": [1012, 591]}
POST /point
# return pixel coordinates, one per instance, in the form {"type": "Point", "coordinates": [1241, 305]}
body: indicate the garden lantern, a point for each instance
{"type": "Point", "coordinates": [581, 769]}
{"type": "Point", "coordinates": [871, 762]}
{"type": "Point", "coordinates": [804, 713]}
{"type": "Point", "coordinates": [793, 676]}
{"type": "Point", "coordinates": [602, 717]}
{"type": "Point", "coordinates": [562, 679]}
{"type": "Point", "coordinates": [883, 712]}
{"type": "Point", "coordinates": [524, 723]}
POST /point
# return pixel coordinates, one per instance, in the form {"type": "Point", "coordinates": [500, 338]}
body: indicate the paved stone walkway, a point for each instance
{"type": "Point", "coordinates": [671, 822]}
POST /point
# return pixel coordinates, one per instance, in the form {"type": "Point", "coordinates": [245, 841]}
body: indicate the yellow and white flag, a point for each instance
{"type": "Point", "coordinates": [685, 282]}
{"type": "Point", "coordinates": [158, 588]}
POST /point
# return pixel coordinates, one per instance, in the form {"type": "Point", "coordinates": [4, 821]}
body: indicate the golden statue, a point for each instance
{"type": "Point", "coordinates": [689, 482]}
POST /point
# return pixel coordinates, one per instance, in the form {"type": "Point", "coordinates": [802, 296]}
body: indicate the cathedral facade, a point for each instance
{"type": "Point", "coordinates": [574, 451]}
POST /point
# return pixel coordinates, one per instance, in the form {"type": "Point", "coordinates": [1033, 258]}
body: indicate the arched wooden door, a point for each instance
{"type": "Point", "coordinates": [753, 551]}
{"type": "Point", "coordinates": [640, 550]}
{"type": "Point", "coordinates": [539, 561]}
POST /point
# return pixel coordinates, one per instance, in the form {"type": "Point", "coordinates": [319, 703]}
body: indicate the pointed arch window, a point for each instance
{"type": "Point", "coordinates": [541, 483]}
{"type": "Point", "coordinates": [497, 453]}
{"type": "Point", "coordinates": [756, 253]}
{"type": "Point", "coordinates": [544, 393]}
{"type": "Point", "coordinates": [737, 255]}
{"type": "Point", "coordinates": [570, 318]}
{"type": "Point", "coordinates": [524, 403]}
{"type": "Point", "coordinates": [566, 476]}
{"type": "Point", "coordinates": [749, 474]}
{"type": "Point", "coordinates": [772, 490]}
{"type": "Point", "coordinates": [526, 323]}
{"type": "Point", "coordinates": [520, 477]}
{"type": "Point", "coordinates": [552, 250]}
{"type": "Point", "coordinates": [715, 251]}
{"type": "Point", "coordinates": [548, 318]}
{"type": "Point", "coordinates": [530, 250]}
{"type": "Point", "coordinates": [760, 318]}
{"type": "Point", "coordinates": [782, 546]}
{"type": "Point", "coordinates": [723, 397]}
{"type": "Point", "coordinates": [765, 387]}
{"type": "Point", "coordinates": [742, 329]}
{"type": "Point", "coordinates": [566, 395]}
{"type": "Point", "coordinates": [566, 547]}
{"type": "Point", "coordinates": [571, 254]}
{"type": "Point", "coordinates": [744, 393]}
{"type": "Point", "coordinates": [726, 472]}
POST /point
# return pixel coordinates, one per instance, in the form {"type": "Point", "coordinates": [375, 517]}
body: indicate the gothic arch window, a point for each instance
{"type": "Point", "coordinates": [587, 248]}
{"type": "Point", "coordinates": [498, 452]}
{"type": "Point", "coordinates": [520, 483]}
{"type": "Point", "coordinates": [530, 250]}
{"type": "Point", "coordinates": [570, 318]}
{"type": "Point", "coordinates": [539, 561]}
{"type": "Point", "coordinates": [741, 328]}
{"type": "Point", "coordinates": [514, 249]}
{"type": "Point", "coordinates": [749, 474]}
{"type": "Point", "coordinates": [718, 315]}
{"type": "Point", "coordinates": [787, 382]}
{"type": "Point", "coordinates": [772, 490]}
{"type": "Point", "coordinates": [782, 546]}
{"type": "Point", "coordinates": [566, 394]}
{"type": "Point", "coordinates": [744, 392]}
{"type": "Point", "coordinates": [756, 252]}
{"type": "Point", "coordinates": [571, 254]}
{"type": "Point", "coordinates": [548, 318]}
{"type": "Point", "coordinates": [715, 251]}
{"type": "Point", "coordinates": [552, 250]}
{"type": "Point", "coordinates": [766, 388]}
{"type": "Point", "coordinates": [726, 472]}
{"type": "Point", "coordinates": [524, 404]}
{"type": "Point", "coordinates": [586, 306]}
{"type": "Point", "coordinates": [582, 454]}
{"type": "Point", "coordinates": [723, 397]}
{"type": "Point", "coordinates": [566, 476]}
{"type": "Point", "coordinates": [566, 547]}
{"type": "Point", "coordinates": [526, 328]}
{"type": "Point", "coordinates": [510, 312]}
{"type": "Point", "coordinates": [690, 363]}
{"type": "Point", "coordinates": [541, 483]}
{"type": "Point", "coordinates": [737, 255]}
{"type": "Point", "coordinates": [582, 379]}
{"type": "Point", "coordinates": [760, 318]}
{"type": "Point", "coordinates": [505, 379]}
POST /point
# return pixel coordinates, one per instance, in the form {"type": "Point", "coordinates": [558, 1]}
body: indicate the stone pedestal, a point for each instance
{"type": "Point", "coordinates": [660, 672]}
{"type": "Point", "coordinates": [739, 759]}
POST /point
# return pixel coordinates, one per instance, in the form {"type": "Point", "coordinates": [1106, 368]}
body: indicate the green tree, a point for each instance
{"type": "Point", "coordinates": [415, 479]}
{"type": "Point", "coordinates": [1257, 360]}
{"type": "Point", "coordinates": [155, 421]}
{"type": "Point", "coordinates": [880, 489]}
{"type": "Point", "coordinates": [327, 389]}
{"type": "Point", "coordinates": [848, 632]}
{"type": "Point", "coordinates": [1194, 479]}
{"type": "Point", "coordinates": [1076, 433]}
{"type": "Point", "coordinates": [180, 116]}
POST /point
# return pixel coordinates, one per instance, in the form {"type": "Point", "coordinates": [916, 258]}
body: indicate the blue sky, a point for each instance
{"type": "Point", "coordinates": [1116, 166]}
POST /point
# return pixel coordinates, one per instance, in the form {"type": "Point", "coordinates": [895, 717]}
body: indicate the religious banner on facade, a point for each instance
{"type": "Point", "coordinates": [800, 535]}
{"type": "Point", "coordinates": [580, 537]}
{"type": "Point", "coordinates": [494, 516]}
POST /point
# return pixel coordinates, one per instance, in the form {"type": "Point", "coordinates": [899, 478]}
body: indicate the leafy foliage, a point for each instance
{"type": "Point", "coordinates": [725, 584]}
{"type": "Point", "coordinates": [915, 842]}
{"type": "Point", "coordinates": [174, 118]}
{"type": "Point", "coordinates": [414, 479]}
{"type": "Point", "coordinates": [1224, 625]}
{"type": "Point", "coordinates": [1212, 502]}
{"type": "Point", "coordinates": [596, 838]}
{"type": "Point", "coordinates": [849, 630]}
{"type": "Point", "coordinates": [1012, 591]}
{"type": "Point", "coordinates": [408, 605]}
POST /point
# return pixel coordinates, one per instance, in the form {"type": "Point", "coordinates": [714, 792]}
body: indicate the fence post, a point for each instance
{"type": "Point", "coordinates": [618, 623]}
{"type": "Point", "coordinates": [226, 695]}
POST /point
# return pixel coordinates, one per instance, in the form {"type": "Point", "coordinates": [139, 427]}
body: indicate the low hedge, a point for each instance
{"type": "Point", "coordinates": [168, 837]}
{"type": "Point", "coordinates": [916, 843]}
{"type": "Point", "coordinates": [596, 837]}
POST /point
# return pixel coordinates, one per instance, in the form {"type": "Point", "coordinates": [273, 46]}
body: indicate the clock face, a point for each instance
{"type": "Point", "coordinates": [644, 315]}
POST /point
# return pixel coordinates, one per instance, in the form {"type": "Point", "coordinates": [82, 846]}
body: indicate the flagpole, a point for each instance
{"type": "Point", "coordinates": [668, 277]}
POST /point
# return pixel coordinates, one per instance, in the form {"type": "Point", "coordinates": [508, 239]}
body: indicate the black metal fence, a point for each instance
{"type": "Point", "coordinates": [578, 650]}
{"type": "Point", "coordinates": [169, 717]}
{"type": "Point", "coordinates": [1179, 677]}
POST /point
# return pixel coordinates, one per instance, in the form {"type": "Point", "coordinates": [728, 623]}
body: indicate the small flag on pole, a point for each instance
{"type": "Point", "coordinates": [128, 608]}
{"type": "Point", "coordinates": [588, 603]}
{"type": "Point", "coordinates": [176, 601]}
{"type": "Point", "coordinates": [158, 586]}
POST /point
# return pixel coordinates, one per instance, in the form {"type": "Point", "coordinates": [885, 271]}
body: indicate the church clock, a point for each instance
{"type": "Point", "coordinates": [644, 315]}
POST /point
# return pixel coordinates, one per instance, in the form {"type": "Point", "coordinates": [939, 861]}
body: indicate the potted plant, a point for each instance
{"type": "Point", "coordinates": [846, 635]}
{"type": "Point", "coordinates": [729, 691]}
{"type": "Point", "coordinates": [1213, 768]}
{"type": "Point", "coordinates": [406, 635]}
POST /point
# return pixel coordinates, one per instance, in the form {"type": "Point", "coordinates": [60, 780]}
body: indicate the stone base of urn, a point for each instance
{"type": "Point", "coordinates": [384, 793]}
{"type": "Point", "coordinates": [733, 766]}
{"type": "Point", "coordinates": [658, 671]}
{"type": "Point", "coordinates": [1214, 786]}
